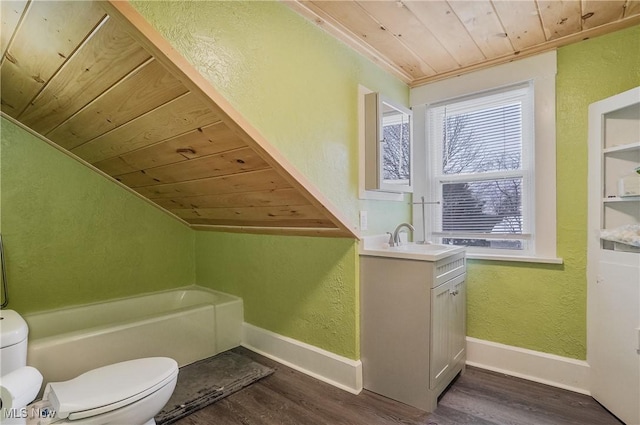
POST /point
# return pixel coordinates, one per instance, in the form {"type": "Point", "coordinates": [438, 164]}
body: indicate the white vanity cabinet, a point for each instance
{"type": "Point", "coordinates": [413, 326]}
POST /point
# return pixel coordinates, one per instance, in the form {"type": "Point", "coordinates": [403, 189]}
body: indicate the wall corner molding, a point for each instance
{"type": "Point", "coordinates": [549, 369]}
{"type": "Point", "coordinates": [328, 367]}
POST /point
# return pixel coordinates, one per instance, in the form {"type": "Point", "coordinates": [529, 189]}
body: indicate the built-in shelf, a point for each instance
{"type": "Point", "coordinates": [617, 247]}
{"type": "Point", "coordinates": [614, 155]}
{"type": "Point", "coordinates": [622, 148]}
{"type": "Point", "coordinates": [611, 251]}
{"type": "Point", "coordinates": [613, 268]}
{"type": "Point", "coordinates": [623, 199]}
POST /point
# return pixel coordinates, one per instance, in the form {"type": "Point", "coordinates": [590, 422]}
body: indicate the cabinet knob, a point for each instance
{"type": "Point", "coordinates": [455, 292]}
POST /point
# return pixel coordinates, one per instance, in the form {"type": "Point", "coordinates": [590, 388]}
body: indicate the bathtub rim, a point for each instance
{"type": "Point", "coordinates": [51, 340]}
{"type": "Point", "coordinates": [234, 298]}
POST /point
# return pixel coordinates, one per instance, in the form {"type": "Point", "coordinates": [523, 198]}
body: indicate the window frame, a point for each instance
{"type": "Point", "coordinates": [541, 71]}
{"type": "Point", "coordinates": [374, 145]}
{"type": "Point", "coordinates": [522, 93]}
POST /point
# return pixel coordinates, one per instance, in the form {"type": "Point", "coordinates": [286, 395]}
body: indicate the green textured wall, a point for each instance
{"type": "Point", "coordinates": [300, 287]}
{"type": "Point", "coordinates": [543, 307]}
{"type": "Point", "coordinates": [74, 237]}
{"type": "Point", "coordinates": [299, 88]}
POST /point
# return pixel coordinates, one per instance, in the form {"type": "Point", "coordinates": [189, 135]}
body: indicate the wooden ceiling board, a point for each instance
{"type": "Point", "coordinates": [365, 27]}
{"type": "Point", "coordinates": [171, 119]}
{"type": "Point", "coordinates": [142, 90]}
{"type": "Point", "coordinates": [257, 219]}
{"type": "Point", "coordinates": [273, 230]}
{"type": "Point", "coordinates": [314, 226]}
{"type": "Point", "coordinates": [446, 26]}
{"type": "Point", "coordinates": [471, 31]}
{"type": "Point", "coordinates": [10, 15]}
{"type": "Point", "coordinates": [203, 141]}
{"type": "Point", "coordinates": [108, 55]}
{"type": "Point", "coordinates": [560, 18]}
{"type": "Point", "coordinates": [413, 34]}
{"type": "Point", "coordinates": [282, 224]}
{"type": "Point", "coordinates": [482, 23]}
{"type": "Point", "coordinates": [255, 214]}
{"type": "Point", "coordinates": [28, 65]}
{"type": "Point", "coordinates": [598, 12]}
{"type": "Point", "coordinates": [264, 198]}
{"type": "Point", "coordinates": [521, 21]}
{"type": "Point", "coordinates": [223, 164]}
{"type": "Point", "coordinates": [251, 181]}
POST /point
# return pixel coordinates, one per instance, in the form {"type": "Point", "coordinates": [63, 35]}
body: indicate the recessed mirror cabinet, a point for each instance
{"type": "Point", "coordinates": [388, 145]}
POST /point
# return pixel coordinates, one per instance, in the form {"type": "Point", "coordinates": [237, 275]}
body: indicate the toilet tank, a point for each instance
{"type": "Point", "coordinates": [13, 341]}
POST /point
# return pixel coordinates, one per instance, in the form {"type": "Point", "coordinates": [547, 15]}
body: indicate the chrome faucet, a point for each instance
{"type": "Point", "coordinates": [396, 233]}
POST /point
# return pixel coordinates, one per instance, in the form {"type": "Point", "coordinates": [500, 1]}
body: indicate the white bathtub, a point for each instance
{"type": "Point", "coordinates": [186, 324]}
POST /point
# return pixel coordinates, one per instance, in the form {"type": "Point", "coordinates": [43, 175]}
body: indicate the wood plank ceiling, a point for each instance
{"type": "Point", "coordinates": [421, 41]}
{"type": "Point", "coordinates": [94, 84]}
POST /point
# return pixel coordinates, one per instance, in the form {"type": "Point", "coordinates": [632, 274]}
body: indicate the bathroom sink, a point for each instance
{"type": "Point", "coordinates": [377, 246]}
{"type": "Point", "coordinates": [414, 247]}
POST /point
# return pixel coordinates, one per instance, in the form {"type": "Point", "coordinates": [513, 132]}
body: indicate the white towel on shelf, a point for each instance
{"type": "Point", "coordinates": [628, 234]}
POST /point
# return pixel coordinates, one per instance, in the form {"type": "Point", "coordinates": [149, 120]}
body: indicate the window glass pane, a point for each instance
{"type": "Point", "coordinates": [396, 146]}
{"type": "Point", "coordinates": [482, 140]}
{"type": "Point", "coordinates": [486, 206]}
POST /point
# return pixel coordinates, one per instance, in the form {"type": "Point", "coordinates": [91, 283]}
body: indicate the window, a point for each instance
{"type": "Point", "coordinates": [480, 150]}
{"type": "Point", "coordinates": [500, 192]}
{"type": "Point", "coordinates": [387, 145]}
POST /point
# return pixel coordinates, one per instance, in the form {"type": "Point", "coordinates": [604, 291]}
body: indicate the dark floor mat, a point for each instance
{"type": "Point", "coordinates": [207, 381]}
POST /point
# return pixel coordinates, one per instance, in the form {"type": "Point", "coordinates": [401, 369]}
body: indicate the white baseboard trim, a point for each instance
{"type": "Point", "coordinates": [557, 371]}
{"type": "Point", "coordinates": [331, 368]}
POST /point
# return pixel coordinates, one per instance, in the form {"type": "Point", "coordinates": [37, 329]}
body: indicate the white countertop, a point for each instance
{"type": "Point", "coordinates": [378, 246]}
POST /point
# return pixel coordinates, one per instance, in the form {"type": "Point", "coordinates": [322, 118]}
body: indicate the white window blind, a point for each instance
{"type": "Point", "coordinates": [481, 161]}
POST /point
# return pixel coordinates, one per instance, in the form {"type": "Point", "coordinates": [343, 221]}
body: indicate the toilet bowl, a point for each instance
{"type": "Point", "coordinates": [130, 392]}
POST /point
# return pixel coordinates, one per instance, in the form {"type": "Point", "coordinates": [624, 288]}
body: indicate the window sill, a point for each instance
{"type": "Point", "coordinates": [515, 258]}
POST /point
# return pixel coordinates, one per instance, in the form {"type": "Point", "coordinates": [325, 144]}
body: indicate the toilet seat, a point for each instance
{"type": "Point", "coordinates": [110, 387]}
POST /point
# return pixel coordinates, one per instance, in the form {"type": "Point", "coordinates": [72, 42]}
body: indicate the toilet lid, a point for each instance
{"type": "Point", "coordinates": [110, 387]}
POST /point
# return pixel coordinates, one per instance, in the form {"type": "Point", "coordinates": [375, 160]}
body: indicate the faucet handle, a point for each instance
{"type": "Point", "coordinates": [392, 243]}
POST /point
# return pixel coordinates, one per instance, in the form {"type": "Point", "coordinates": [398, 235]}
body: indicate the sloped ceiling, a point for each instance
{"type": "Point", "coordinates": [99, 82]}
{"type": "Point", "coordinates": [421, 41]}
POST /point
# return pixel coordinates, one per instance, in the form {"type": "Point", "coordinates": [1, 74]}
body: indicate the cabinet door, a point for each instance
{"type": "Point", "coordinates": [458, 319]}
{"type": "Point", "coordinates": [615, 334]}
{"type": "Point", "coordinates": [440, 345]}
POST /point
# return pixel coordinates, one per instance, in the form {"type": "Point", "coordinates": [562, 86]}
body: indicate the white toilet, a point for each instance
{"type": "Point", "coordinates": [130, 392]}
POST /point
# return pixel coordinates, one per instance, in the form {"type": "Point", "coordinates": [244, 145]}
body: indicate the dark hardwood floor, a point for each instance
{"type": "Point", "coordinates": [480, 397]}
